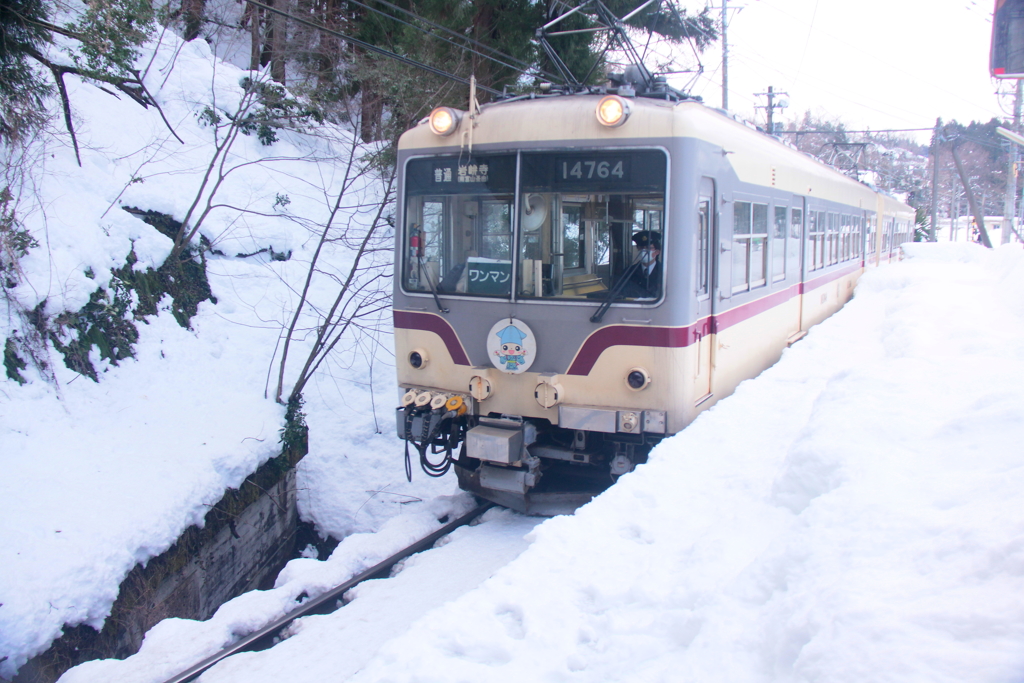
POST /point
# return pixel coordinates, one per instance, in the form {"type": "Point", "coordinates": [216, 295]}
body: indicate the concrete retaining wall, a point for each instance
{"type": "Point", "coordinates": [248, 537]}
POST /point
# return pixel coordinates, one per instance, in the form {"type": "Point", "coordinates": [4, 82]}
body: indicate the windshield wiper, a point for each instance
{"type": "Point", "coordinates": [433, 287]}
{"type": "Point", "coordinates": [614, 292]}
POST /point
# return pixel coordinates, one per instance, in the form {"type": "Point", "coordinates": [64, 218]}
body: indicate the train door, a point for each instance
{"type": "Point", "coordinates": [704, 269]}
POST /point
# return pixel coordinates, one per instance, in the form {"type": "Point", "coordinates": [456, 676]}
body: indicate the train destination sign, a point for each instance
{"type": "Point", "coordinates": [461, 175]}
{"type": "Point", "coordinates": [599, 171]}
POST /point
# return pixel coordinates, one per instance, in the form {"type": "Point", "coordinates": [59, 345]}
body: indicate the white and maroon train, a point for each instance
{"type": "Point", "coordinates": [579, 276]}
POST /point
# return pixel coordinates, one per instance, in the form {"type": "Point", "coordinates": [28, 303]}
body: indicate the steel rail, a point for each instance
{"type": "Point", "coordinates": [322, 604]}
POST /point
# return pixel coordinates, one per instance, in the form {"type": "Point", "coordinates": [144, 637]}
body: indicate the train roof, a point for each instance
{"type": "Point", "coordinates": [569, 120]}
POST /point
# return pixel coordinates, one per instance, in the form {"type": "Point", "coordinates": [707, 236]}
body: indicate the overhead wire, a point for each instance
{"type": "Point", "coordinates": [523, 68]}
{"type": "Point", "coordinates": [370, 47]}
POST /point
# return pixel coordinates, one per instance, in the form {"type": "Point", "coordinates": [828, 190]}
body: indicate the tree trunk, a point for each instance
{"type": "Point", "coordinates": [978, 218]}
{"type": "Point", "coordinates": [278, 42]}
{"type": "Point", "coordinates": [193, 13]}
{"type": "Point", "coordinates": [251, 17]}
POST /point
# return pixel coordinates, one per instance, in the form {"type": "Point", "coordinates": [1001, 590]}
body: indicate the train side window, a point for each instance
{"type": "Point", "coordinates": [749, 249]}
{"type": "Point", "coordinates": [833, 239]}
{"type": "Point", "coordinates": [816, 239]}
{"type": "Point", "coordinates": [703, 247]}
{"type": "Point", "coordinates": [796, 225]}
{"type": "Point", "coordinates": [759, 246]}
{"type": "Point", "coordinates": [741, 215]}
{"type": "Point", "coordinates": [779, 243]}
{"type": "Point", "coordinates": [845, 236]}
{"type": "Point", "coordinates": [858, 241]}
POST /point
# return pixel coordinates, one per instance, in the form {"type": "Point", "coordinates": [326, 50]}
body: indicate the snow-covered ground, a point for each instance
{"type": "Point", "coordinates": [852, 514]}
{"type": "Point", "coordinates": [101, 476]}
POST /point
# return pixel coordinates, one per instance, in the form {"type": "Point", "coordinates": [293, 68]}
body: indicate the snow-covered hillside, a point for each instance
{"type": "Point", "coordinates": [101, 475]}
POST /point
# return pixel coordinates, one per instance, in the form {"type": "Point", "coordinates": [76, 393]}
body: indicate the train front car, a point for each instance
{"type": "Point", "coordinates": [529, 282]}
{"type": "Point", "coordinates": [578, 276]}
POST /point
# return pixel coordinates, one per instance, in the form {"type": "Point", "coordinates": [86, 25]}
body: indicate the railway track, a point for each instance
{"type": "Point", "coordinates": [326, 602]}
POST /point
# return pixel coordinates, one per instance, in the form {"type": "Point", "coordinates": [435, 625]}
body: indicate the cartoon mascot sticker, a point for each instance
{"type": "Point", "coordinates": [511, 346]}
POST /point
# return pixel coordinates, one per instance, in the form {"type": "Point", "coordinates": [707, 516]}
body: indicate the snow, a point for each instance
{"type": "Point", "coordinates": [851, 514]}
{"type": "Point", "coordinates": [860, 526]}
{"type": "Point", "coordinates": [102, 476]}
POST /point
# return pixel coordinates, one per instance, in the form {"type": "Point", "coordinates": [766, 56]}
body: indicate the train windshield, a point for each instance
{"type": "Point", "coordinates": [458, 225]}
{"type": "Point", "coordinates": [589, 225]}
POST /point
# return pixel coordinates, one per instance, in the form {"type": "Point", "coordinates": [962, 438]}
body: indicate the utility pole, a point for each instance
{"type": "Point", "coordinates": [935, 181]}
{"type": "Point", "coordinates": [725, 57]}
{"type": "Point", "coordinates": [1009, 204]}
{"type": "Point", "coordinates": [772, 106]}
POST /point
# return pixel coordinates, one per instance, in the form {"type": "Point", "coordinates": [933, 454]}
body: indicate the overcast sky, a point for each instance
{"type": "Point", "coordinates": [871, 63]}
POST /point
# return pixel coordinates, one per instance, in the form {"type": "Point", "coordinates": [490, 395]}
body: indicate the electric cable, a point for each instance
{"type": "Point", "coordinates": [372, 48]}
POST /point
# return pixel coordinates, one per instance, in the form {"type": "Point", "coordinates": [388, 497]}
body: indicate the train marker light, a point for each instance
{"type": "Point", "coordinates": [612, 111]}
{"type": "Point", "coordinates": [479, 387]}
{"type": "Point", "coordinates": [444, 121]}
{"type": "Point", "coordinates": [418, 359]}
{"type": "Point", "coordinates": [638, 379]}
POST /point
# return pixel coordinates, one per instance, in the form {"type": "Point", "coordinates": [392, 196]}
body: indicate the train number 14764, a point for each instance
{"type": "Point", "coordinates": [581, 170]}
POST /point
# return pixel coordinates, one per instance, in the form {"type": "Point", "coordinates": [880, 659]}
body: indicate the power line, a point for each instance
{"type": "Point", "coordinates": [372, 48]}
{"type": "Point", "coordinates": [880, 130]}
{"type": "Point", "coordinates": [523, 68]}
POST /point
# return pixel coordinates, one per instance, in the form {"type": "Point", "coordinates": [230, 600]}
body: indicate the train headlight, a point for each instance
{"type": "Point", "coordinates": [444, 121]}
{"type": "Point", "coordinates": [612, 111]}
{"type": "Point", "coordinates": [418, 359]}
{"type": "Point", "coordinates": [637, 379]}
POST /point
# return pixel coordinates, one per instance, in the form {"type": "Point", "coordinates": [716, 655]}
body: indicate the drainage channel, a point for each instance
{"type": "Point", "coordinates": [326, 602]}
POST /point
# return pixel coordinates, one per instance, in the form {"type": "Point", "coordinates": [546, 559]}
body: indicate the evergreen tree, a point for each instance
{"type": "Point", "coordinates": [22, 87]}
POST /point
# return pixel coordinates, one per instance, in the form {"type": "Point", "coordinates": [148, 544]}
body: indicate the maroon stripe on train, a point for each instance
{"type": "Point", "coordinates": [825, 279]}
{"type": "Point", "coordinates": [677, 337]}
{"type": "Point", "coordinates": [407, 320]}
{"type": "Point", "coordinates": [630, 335]}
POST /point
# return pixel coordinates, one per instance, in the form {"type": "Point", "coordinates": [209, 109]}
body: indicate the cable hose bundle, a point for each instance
{"type": "Point", "coordinates": [427, 436]}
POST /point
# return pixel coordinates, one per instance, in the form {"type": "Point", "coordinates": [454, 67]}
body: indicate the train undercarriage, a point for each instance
{"type": "Point", "coordinates": [526, 464]}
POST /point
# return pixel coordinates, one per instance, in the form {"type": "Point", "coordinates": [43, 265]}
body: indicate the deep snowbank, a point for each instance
{"type": "Point", "coordinates": [853, 514]}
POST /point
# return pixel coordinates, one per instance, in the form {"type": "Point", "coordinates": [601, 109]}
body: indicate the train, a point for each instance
{"type": "Point", "coordinates": [578, 275]}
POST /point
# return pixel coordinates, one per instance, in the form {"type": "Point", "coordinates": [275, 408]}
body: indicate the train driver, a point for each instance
{"type": "Point", "coordinates": [645, 282]}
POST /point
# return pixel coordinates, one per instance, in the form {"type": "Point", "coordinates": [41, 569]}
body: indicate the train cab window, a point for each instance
{"type": "Point", "coordinates": [749, 249]}
{"type": "Point", "coordinates": [579, 214]}
{"type": "Point", "coordinates": [779, 231]}
{"type": "Point", "coordinates": [458, 225]}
